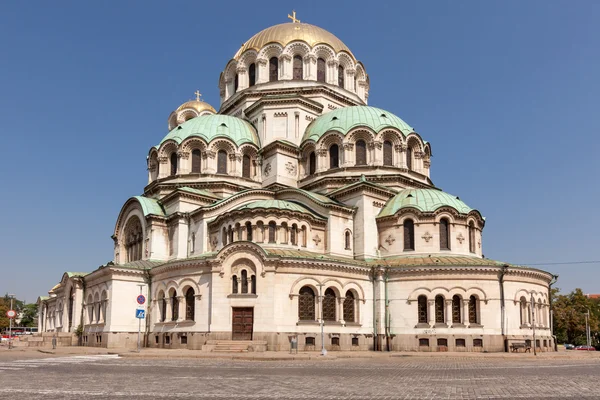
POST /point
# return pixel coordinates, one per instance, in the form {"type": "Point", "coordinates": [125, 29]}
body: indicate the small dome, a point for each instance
{"type": "Point", "coordinates": [197, 105]}
{"type": "Point", "coordinates": [424, 200]}
{"type": "Point", "coordinates": [290, 32]}
{"type": "Point", "coordinates": [209, 127]}
{"type": "Point", "coordinates": [345, 119]}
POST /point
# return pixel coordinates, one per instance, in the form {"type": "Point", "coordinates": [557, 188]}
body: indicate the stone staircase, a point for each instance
{"type": "Point", "coordinates": [235, 346]}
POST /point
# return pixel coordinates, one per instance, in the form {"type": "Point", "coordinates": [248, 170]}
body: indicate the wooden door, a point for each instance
{"type": "Point", "coordinates": [242, 321]}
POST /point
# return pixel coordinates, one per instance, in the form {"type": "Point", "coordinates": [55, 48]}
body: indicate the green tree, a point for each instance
{"type": "Point", "coordinates": [569, 317]}
{"type": "Point", "coordinates": [29, 315]}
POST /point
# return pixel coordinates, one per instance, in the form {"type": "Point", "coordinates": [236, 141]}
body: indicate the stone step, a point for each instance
{"type": "Point", "coordinates": [234, 346]}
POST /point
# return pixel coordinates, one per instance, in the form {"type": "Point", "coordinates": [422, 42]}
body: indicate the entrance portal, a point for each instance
{"type": "Point", "coordinates": [242, 321]}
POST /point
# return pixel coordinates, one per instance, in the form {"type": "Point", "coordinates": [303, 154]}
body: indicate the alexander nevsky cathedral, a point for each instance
{"type": "Point", "coordinates": [297, 207]}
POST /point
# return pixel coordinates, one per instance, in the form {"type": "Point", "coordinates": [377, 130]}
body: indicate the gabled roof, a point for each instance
{"type": "Point", "coordinates": [150, 206]}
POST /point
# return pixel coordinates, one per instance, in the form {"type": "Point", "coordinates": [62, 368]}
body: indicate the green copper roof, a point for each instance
{"type": "Point", "coordinates": [209, 127]}
{"type": "Point", "coordinates": [277, 204]}
{"type": "Point", "coordinates": [425, 200]}
{"type": "Point", "coordinates": [76, 274]}
{"type": "Point", "coordinates": [345, 119]}
{"type": "Point", "coordinates": [201, 192]}
{"type": "Point", "coordinates": [149, 206]}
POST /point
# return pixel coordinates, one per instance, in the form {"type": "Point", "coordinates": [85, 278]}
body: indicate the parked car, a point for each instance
{"type": "Point", "coordinates": [569, 346]}
{"type": "Point", "coordinates": [585, 348]}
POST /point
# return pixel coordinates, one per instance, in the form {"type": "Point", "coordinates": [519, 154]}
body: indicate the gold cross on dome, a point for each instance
{"type": "Point", "coordinates": [198, 95]}
{"type": "Point", "coordinates": [293, 17]}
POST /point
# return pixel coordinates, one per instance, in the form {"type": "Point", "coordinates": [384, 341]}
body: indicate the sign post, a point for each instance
{"type": "Point", "coordinates": [140, 314]}
{"type": "Point", "coordinates": [11, 314]}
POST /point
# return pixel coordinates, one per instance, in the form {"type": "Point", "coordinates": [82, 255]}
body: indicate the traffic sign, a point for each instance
{"type": "Point", "coordinates": [11, 314]}
{"type": "Point", "coordinates": [140, 313]}
{"type": "Point", "coordinates": [141, 299]}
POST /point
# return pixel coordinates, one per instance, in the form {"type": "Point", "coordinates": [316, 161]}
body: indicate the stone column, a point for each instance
{"type": "Point", "coordinates": [183, 166]}
{"type": "Point", "coordinates": [349, 155]}
{"type": "Point", "coordinates": [322, 160]}
{"type": "Point", "coordinates": [340, 310]}
{"type": "Point", "coordinates": [181, 305]}
{"type": "Point", "coordinates": [431, 312]}
{"type": "Point", "coordinates": [208, 162]}
{"type": "Point", "coordinates": [262, 71]}
{"type": "Point", "coordinates": [465, 312]}
{"type": "Point", "coordinates": [448, 312]}
{"type": "Point", "coordinates": [169, 313]}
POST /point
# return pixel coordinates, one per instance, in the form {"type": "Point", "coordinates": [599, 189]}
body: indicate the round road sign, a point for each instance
{"type": "Point", "coordinates": [11, 313]}
{"type": "Point", "coordinates": [141, 299]}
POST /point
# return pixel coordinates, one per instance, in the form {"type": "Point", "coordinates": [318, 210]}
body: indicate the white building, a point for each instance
{"type": "Point", "coordinates": [293, 205]}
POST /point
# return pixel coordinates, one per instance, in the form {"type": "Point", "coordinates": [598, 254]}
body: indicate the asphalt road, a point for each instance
{"type": "Point", "coordinates": [112, 377]}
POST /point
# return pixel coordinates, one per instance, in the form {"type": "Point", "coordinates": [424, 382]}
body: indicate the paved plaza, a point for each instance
{"type": "Point", "coordinates": [36, 375]}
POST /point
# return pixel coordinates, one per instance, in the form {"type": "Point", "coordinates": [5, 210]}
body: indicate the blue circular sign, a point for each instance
{"type": "Point", "coordinates": [141, 299]}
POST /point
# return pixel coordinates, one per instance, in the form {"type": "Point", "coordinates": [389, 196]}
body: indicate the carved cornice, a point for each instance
{"type": "Point", "coordinates": [287, 149]}
{"type": "Point", "coordinates": [270, 101]}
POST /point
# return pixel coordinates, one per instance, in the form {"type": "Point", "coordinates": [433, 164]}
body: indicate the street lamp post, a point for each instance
{"type": "Point", "coordinates": [11, 296]}
{"type": "Point", "coordinates": [587, 328]}
{"type": "Point", "coordinates": [323, 351]}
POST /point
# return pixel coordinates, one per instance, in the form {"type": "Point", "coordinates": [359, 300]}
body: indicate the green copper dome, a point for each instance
{"type": "Point", "coordinates": [425, 200]}
{"type": "Point", "coordinates": [209, 127]}
{"type": "Point", "coordinates": [345, 119]}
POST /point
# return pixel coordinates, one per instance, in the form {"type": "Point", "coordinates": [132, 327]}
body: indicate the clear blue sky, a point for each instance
{"type": "Point", "coordinates": [507, 92]}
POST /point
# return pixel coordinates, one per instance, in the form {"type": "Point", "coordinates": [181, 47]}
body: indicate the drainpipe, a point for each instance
{"type": "Point", "coordinates": [552, 282]}
{"type": "Point", "coordinates": [387, 311]}
{"type": "Point", "coordinates": [502, 306]}
{"type": "Point", "coordinates": [374, 309]}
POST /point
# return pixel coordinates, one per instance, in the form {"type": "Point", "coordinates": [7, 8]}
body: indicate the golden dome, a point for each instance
{"type": "Point", "coordinates": [290, 32]}
{"type": "Point", "coordinates": [197, 105]}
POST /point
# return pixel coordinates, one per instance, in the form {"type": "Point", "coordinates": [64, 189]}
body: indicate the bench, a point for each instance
{"type": "Point", "coordinates": [515, 347]}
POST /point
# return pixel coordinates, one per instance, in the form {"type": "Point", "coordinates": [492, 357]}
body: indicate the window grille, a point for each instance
{"type": "Point", "coordinates": [253, 284]}
{"type": "Point", "coordinates": [306, 305]}
{"type": "Point", "coordinates": [349, 303]}
{"type": "Point", "coordinates": [444, 234]}
{"type": "Point", "coordinates": [297, 68]}
{"type": "Point", "coordinates": [473, 310]}
{"type": "Point", "coordinates": [273, 69]}
{"type": "Point", "coordinates": [409, 234]}
{"type": "Point", "coordinates": [236, 83]}
{"type": "Point", "coordinates": [388, 153]}
{"type": "Point", "coordinates": [442, 342]}
{"type": "Point", "coordinates": [329, 305]}
{"type": "Point", "coordinates": [477, 342]}
{"type": "Point", "coordinates": [163, 309]}
{"type": "Point", "coordinates": [361, 152]}
{"type": "Point", "coordinates": [461, 343]}
{"type": "Point", "coordinates": [334, 152]}
{"type": "Point", "coordinates": [341, 76]}
{"type": "Point", "coordinates": [190, 307]}
{"type": "Point", "coordinates": [335, 341]}
{"type": "Point", "coordinates": [456, 306]}
{"type": "Point", "coordinates": [248, 231]}
{"type": "Point", "coordinates": [252, 74]}
{"type": "Point", "coordinates": [196, 160]}
{"type": "Point", "coordinates": [294, 235]}
{"type": "Point", "coordinates": [422, 309]}
{"type": "Point", "coordinates": [183, 339]}
{"type": "Point", "coordinates": [424, 342]}
{"type": "Point", "coordinates": [321, 69]}
{"type": "Point", "coordinates": [439, 309]}
{"type": "Point", "coordinates": [309, 341]}
{"type": "Point", "coordinates": [222, 162]}
{"type": "Point", "coordinates": [354, 341]}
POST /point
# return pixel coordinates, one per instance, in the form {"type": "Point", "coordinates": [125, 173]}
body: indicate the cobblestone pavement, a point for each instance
{"type": "Point", "coordinates": [404, 377]}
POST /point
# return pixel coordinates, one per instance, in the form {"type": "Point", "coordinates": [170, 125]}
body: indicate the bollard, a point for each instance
{"type": "Point", "coordinates": [294, 344]}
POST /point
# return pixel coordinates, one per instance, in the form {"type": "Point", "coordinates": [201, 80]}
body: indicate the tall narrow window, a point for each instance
{"type": "Point", "coordinates": [173, 163]}
{"type": "Point", "coordinates": [196, 160]}
{"type": "Point", "coordinates": [273, 69]}
{"type": "Point", "coordinates": [236, 82]}
{"type": "Point", "coordinates": [471, 237]}
{"type": "Point", "coordinates": [244, 281]}
{"type": "Point", "coordinates": [361, 152]}
{"type": "Point", "coordinates": [439, 309]}
{"type": "Point", "coordinates": [70, 309]}
{"type": "Point", "coordinates": [249, 231]}
{"type": "Point", "coordinates": [174, 306]}
{"type": "Point", "coordinates": [272, 228]}
{"type": "Point", "coordinates": [297, 68]}
{"type": "Point", "coordinates": [252, 74]}
{"type": "Point", "coordinates": [388, 153]}
{"type": "Point", "coordinates": [329, 305]}
{"type": "Point", "coordinates": [253, 284]}
{"type": "Point", "coordinates": [523, 309]}
{"type": "Point", "coordinates": [190, 307]}
{"type": "Point", "coordinates": [409, 159]}
{"type": "Point", "coordinates": [294, 235]}
{"type": "Point", "coordinates": [456, 308]}
{"type": "Point", "coordinates": [312, 163]}
{"type": "Point", "coordinates": [222, 162]}
{"type": "Point", "coordinates": [334, 159]}
{"type": "Point", "coordinates": [234, 284]}
{"type": "Point", "coordinates": [349, 307]}
{"type": "Point", "coordinates": [409, 234]}
{"type": "Point", "coordinates": [341, 76]}
{"type": "Point", "coordinates": [306, 304]}
{"type": "Point", "coordinates": [246, 166]}
{"type": "Point", "coordinates": [473, 310]}
{"type": "Point", "coordinates": [133, 239]}
{"type": "Point", "coordinates": [224, 236]}
{"type": "Point", "coordinates": [444, 234]}
{"type": "Point", "coordinates": [348, 240]}
{"type": "Point", "coordinates": [163, 308]}
{"type": "Point", "coordinates": [321, 70]}
{"type": "Point", "coordinates": [422, 309]}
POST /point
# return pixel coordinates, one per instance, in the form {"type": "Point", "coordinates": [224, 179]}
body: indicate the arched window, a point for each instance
{"type": "Point", "coordinates": [236, 83]}
{"type": "Point", "coordinates": [297, 73]}
{"type": "Point", "coordinates": [273, 69]}
{"type": "Point", "coordinates": [312, 163]}
{"type": "Point", "coordinates": [456, 309]}
{"type": "Point", "coordinates": [321, 70]}
{"type": "Point", "coordinates": [246, 166]}
{"type": "Point", "coordinates": [272, 228]}
{"type": "Point", "coordinates": [349, 303]}
{"type": "Point", "coordinates": [334, 159]}
{"type": "Point", "coordinates": [361, 152]}
{"type": "Point", "coordinates": [163, 308]}
{"type": "Point", "coordinates": [306, 304]}
{"type": "Point", "coordinates": [341, 76]}
{"type": "Point", "coordinates": [294, 235]}
{"type": "Point", "coordinates": [196, 160]}
{"type": "Point", "coordinates": [444, 234]}
{"type": "Point", "coordinates": [523, 313]}
{"type": "Point", "coordinates": [173, 163]}
{"type": "Point", "coordinates": [471, 237]}
{"type": "Point", "coordinates": [473, 312]}
{"type": "Point", "coordinates": [422, 309]}
{"type": "Point", "coordinates": [174, 306]}
{"type": "Point", "coordinates": [230, 234]}
{"type": "Point", "coordinates": [253, 284]}
{"type": "Point", "coordinates": [234, 284]}
{"type": "Point", "coordinates": [439, 309]}
{"type": "Point", "coordinates": [190, 307]}
{"type": "Point", "coordinates": [90, 309]}
{"type": "Point", "coordinates": [222, 162]}
{"type": "Point", "coordinates": [249, 231]}
{"type": "Point", "coordinates": [329, 305]}
{"type": "Point", "coordinates": [244, 281]}
{"type": "Point", "coordinates": [224, 236]}
{"type": "Point", "coordinates": [133, 239]}
{"type": "Point", "coordinates": [70, 309]}
{"type": "Point", "coordinates": [252, 74]}
{"type": "Point", "coordinates": [348, 240]}
{"type": "Point", "coordinates": [409, 234]}
{"type": "Point", "coordinates": [388, 148]}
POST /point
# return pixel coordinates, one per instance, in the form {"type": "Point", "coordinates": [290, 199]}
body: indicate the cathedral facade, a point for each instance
{"type": "Point", "coordinates": [298, 208]}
